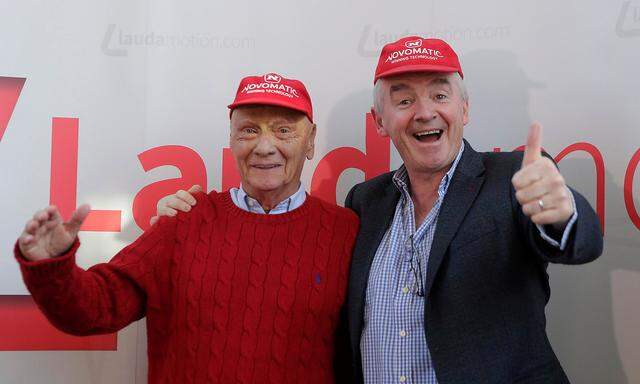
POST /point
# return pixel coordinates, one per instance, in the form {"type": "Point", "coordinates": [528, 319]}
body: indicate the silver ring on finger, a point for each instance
{"type": "Point", "coordinates": [541, 205]}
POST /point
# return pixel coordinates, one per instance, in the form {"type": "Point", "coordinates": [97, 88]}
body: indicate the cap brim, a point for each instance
{"type": "Point", "coordinates": [267, 101]}
{"type": "Point", "coordinates": [417, 68]}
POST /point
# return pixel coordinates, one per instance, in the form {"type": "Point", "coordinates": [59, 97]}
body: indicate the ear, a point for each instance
{"type": "Point", "coordinates": [311, 145]}
{"type": "Point", "coordinates": [379, 124]}
{"type": "Point", "coordinates": [465, 112]}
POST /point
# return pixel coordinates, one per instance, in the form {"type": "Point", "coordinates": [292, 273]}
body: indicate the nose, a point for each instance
{"type": "Point", "coordinates": [425, 111]}
{"type": "Point", "coordinates": [265, 146]}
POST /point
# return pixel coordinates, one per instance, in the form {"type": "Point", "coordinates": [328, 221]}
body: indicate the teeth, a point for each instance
{"type": "Point", "coordinates": [430, 132]}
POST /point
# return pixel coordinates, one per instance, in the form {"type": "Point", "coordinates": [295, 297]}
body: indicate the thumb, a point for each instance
{"type": "Point", "coordinates": [77, 218]}
{"type": "Point", "coordinates": [195, 189]}
{"type": "Point", "coordinates": [534, 143]}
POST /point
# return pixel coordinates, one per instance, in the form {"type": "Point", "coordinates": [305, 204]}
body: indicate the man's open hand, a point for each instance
{"type": "Point", "coordinates": [46, 235]}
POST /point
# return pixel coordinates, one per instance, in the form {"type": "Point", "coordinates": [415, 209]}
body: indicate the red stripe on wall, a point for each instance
{"type": "Point", "coordinates": [24, 328]}
{"type": "Point", "coordinates": [64, 177]}
{"type": "Point", "coordinates": [10, 88]}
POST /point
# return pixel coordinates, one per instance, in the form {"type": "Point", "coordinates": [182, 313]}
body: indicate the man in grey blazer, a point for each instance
{"type": "Point", "coordinates": [448, 280]}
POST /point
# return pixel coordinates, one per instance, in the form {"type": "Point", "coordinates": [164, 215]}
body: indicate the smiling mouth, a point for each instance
{"type": "Point", "coordinates": [266, 166]}
{"type": "Point", "coordinates": [429, 136]}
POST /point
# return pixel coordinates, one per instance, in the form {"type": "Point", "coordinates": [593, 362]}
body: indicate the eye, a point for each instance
{"type": "Point", "coordinates": [249, 130]}
{"type": "Point", "coordinates": [284, 130]}
{"type": "Point", "coordinates": [405, 102]}
{"type": "Point", "coordinates": [441, 96]}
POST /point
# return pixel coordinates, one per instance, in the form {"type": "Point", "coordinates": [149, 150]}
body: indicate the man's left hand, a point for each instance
{"type": "Point", "coordinates": [540, 188]}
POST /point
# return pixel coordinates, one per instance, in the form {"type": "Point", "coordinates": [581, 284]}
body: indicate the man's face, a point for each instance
{"type": "Point", "coordinates": [270, 145]}
{"type": "Point", "coordinates": [424, 114]}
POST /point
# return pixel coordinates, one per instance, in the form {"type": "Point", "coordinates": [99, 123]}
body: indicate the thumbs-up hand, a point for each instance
{"type": "Point", "coordinates": [46, 235]}
{"type": "Point", "coordinates": [540, 188]}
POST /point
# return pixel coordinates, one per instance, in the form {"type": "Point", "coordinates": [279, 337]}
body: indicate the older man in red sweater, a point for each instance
{"type": "Point", "coordinates": [246, 287]}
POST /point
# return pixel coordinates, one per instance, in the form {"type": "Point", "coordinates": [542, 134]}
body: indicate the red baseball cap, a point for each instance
{"type": "Point", "coordinates": [273, 89]}
{"type": "Point", "coordinates": [415, 54]}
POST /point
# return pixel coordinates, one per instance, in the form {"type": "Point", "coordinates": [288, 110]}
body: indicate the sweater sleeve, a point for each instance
{"type": "Point", "coordinates": [108, 296]}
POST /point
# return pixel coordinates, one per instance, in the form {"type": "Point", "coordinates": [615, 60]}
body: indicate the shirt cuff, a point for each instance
{"type": "Point", "coordinates": [567, 229]}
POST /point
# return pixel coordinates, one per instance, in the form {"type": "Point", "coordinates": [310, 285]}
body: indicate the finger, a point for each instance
{"type": "Point", "coordinates": [551, 216]}
{"type": "Point", "coordinates": [558, 202]}
{"type": "Point", "coordinates": [41, 216]}
{"type": "Point", "coordinates": [54, 214]}
{"type": "Point", "coordinates": [166, 210]}
{"type": "Point", "coordinates": [178, 204]}
{"type": "Point", "coordinates": [44, 220]}
{"type": "Point", "coordinates": [45, 213]}
{"type": "Point", "coordinates": [54, 218]}
{"type": "Point", "coordinates": [537, 180]}
{"type": "Point", "coordinates": [77, 218]}
{"type": "Point", "coordinates": [186, 197]}
{"type": "Point", "coordinates": [533, 207]}
{"type": "Point", "coordinates": [169, 212]}
{"type": "Point", "coordinates": [542, 169]}
{"type": "Point", "coordinates": [52, 210]}
{"type": "Point", "coordinates": [527, 176]}
{"type": "Point", "coordinates": [532, 192]}
{"type": "Point", "coordinates": [195, 189]}
{"type": "Point", "coordinates": [25, 241]}
{"type": "Point", "coordinates": [153, 220]}
{"type": "Point", "coordinates": [42, 230]}
{"type": "Point", "coordinates": [51, 224]}
{"type": "Point", "coordinates": [534, 142]}
{"type": "Point", "coordinates": [31, 227]}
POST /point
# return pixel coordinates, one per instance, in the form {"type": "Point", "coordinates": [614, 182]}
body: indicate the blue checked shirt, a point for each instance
{"type": "Point", "coordinates": [249, 204]}
{"type": "Point", "coordinates": [393, 344]}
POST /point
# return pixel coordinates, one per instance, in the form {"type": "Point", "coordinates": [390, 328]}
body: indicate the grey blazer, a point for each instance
{"type": "Point", "coordinates": [486, 280]}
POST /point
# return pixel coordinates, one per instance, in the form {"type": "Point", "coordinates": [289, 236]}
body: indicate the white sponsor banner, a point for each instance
{"type": "Point", "coordinates": [136, 77]}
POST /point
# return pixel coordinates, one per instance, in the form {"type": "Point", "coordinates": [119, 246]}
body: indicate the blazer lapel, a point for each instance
{"type": "Point", "coordinates": [374, 221]}
{"type": "Point", "coordinates": [465, 185]}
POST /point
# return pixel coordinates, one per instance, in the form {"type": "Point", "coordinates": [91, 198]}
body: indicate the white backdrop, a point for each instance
{"type": "Point", "coordinates": [142, 74]}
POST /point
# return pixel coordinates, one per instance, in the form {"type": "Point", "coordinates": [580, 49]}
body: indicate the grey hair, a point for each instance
{"type": "Point", "coordinates": [378, 95]}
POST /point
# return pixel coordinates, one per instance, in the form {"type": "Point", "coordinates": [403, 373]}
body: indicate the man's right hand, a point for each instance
{"type": "Point", "coordinates": [46, 235]}
{"type": "Point", "coordinates": [179, 201]}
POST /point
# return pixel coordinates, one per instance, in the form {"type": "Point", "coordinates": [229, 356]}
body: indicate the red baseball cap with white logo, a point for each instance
{"type": "Point", "coordinates": [415, 54]}
{"type": "Point", "coordinates": [273, 89]}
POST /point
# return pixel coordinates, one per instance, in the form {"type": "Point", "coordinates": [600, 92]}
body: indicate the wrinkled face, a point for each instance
{"type": "Point", "coordinates": [424, 114]}
{"type": "Point", "coordinates": [270, 145]}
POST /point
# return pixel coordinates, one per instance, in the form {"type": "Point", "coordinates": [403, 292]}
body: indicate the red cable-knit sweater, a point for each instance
{"type": "Point", "coordinates": [230, 296]}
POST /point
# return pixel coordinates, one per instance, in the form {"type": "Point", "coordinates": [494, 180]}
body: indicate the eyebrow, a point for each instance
{"type": "Point", "coordinates": [244, 121]}
{"type": "Point", "coordinates": [441, 81]}
{"type": "Point", "coordinates": [283, 120]}
{"type": "Point", "coordinates": [398, 87]}
{"type": "Point", "coordinates": [402, 86]}
{"type": "Point", "coordinates": [277, 121]}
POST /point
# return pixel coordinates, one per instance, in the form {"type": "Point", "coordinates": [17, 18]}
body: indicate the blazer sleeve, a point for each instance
{"type": "Point", "coordinates": [348, 201]}
{"type": "Point", "coordinates": [343, 361]}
